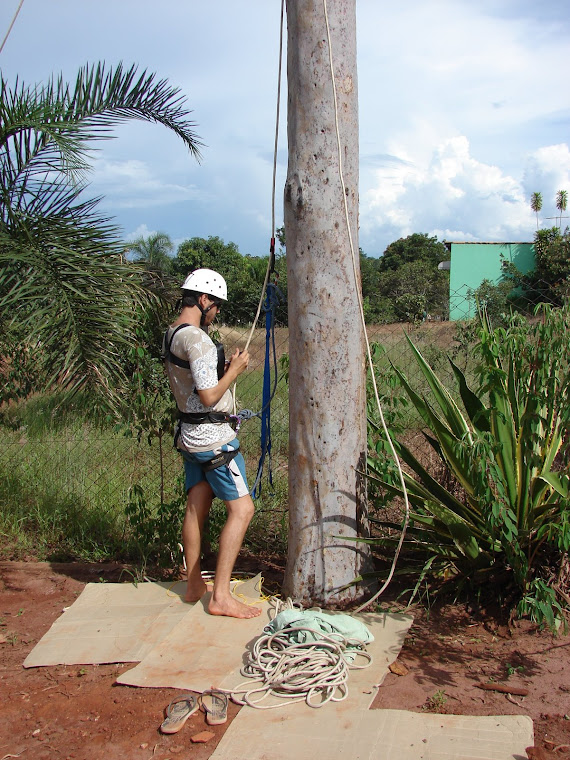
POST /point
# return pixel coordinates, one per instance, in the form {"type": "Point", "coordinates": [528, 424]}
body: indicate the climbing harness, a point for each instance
{"type": "Point", "coordinates": [221, 459]}
{"type": "Point", "coordinates": [206, 417]}
{"type": "Point", "coordinates": [200, 418]}
{"type": "Point", "coordinates": [273, 297]}
{"type": "Point", "coordinates": [169, 356]}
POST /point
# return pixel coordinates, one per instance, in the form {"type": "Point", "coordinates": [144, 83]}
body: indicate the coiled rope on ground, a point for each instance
{"type": "Point", "coordinates": [315, 672]}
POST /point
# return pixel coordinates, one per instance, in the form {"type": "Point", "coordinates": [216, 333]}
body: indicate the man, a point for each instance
{"type": "Point", "coordinates": [213, 464]}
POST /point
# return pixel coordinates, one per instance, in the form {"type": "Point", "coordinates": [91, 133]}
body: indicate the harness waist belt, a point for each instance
{"type": "Point", "coordinates": [219, 460]}
{"type": "Point", "coordinates": [198, 418]}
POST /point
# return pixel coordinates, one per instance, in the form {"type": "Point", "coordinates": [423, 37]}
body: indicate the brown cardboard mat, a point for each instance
{"type": "Point", "coordinates": [181, 646]}
{"type": "Point", "coordinates": [120, 622]}
{"type": "Point", "coordinates": [345, 731]}
{"type": "Point", "coordinates": [111, 622]}
{"type": "Point", "coordinates": [349, 730]}
{"type": "Point", "coordinates": [199, 652]}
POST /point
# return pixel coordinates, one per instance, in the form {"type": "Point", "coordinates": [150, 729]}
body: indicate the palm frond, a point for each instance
{"type": "Point", "coordinates": [66, 293]}
{"type": "Point", "coordinates": [49, 128]}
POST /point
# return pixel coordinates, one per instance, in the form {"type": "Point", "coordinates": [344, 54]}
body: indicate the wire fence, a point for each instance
{"type": "Point", "coordinates": [89, 469]}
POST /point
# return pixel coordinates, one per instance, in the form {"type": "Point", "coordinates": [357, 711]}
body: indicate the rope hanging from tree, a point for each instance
{"type": "Point", "coordinates": [273, 298]}
{"type": "Point", "coordinates": [18, 9]}
{"type": "Point", "coordinates": [272, 295]}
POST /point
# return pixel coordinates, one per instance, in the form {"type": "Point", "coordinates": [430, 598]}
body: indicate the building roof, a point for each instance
{"type": "Point", "coordinates": [449, 243]}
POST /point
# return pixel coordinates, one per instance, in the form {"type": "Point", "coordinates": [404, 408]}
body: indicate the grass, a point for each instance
{"type": "Point", "coordinates": [66, 475]}
{"type": "Point", "coordinates": [64, 498]}
{"type": "Point", "coordinates": [435, 703]}
{"type": "Point", "coordinates": [65, 480]}
{"type": "Point", "coordinates": [55, 502]}
{"type": "Point", "coordinates": [394, 350]}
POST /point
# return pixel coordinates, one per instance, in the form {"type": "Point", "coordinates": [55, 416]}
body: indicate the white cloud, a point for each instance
{"type": "Point", "coordinates": [453, 62]}
{"type": "Point", "coordinates": [135, 184]}
{"type": "Point", "coordinates": [453, 194]}
{"type": "Point", "coordinates": [547, 171]}
{"type": "Point", "coordinates": [464, 112]}
{"type": "Point", "coordinates": [142, 231]}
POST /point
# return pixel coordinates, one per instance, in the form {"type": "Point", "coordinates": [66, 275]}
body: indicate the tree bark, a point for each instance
{"type": "Point", "coordinates": [327, 424]}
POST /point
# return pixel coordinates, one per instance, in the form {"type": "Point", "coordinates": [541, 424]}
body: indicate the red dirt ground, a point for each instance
{"type": "Point", "coordinates": [78, 712]}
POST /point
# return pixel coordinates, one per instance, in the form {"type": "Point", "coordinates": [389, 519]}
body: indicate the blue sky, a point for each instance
{"type": "Point", "coordinates": [464, 112]}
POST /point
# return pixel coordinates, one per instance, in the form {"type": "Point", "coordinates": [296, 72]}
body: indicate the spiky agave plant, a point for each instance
{"type": "Point", "coordinates": [509, 504]}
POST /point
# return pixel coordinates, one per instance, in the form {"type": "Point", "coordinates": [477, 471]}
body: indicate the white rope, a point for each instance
{"type": "Point", "coordinates": [314, 672]}
{"type": "Point", "coordinates": [271, 255]}
{"type": "Point", "coordinates": [268, 272]}
{"type": "Point", "coordinates": [11, 25]}
{"type": "Point", "coordinates": [361, 307]}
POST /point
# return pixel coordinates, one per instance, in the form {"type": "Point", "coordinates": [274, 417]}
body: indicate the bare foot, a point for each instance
{"type": "Point", "coordinates": [232, 608]}
{"type": "Point", "coordinates": [196, 591]}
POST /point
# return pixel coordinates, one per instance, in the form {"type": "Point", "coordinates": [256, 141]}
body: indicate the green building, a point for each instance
{"type": "Point", "coordinates": [471, 263]}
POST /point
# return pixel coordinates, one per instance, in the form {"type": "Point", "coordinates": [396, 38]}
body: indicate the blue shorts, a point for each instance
{"type": "Point", "coordinates": [228, 482]}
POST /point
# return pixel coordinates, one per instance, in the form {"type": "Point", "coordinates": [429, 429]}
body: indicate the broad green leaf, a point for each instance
{"type": "Point", "coordinates": [473, 404]}
{"type": "Point", "coordinates": [558, 481]}
{"type": "Point", "coordinates": [459, 529]}
{"type": "Point", "coordinates": [431, 488]}
{"type": "Point", "coordinates": [449, 408]}
{"type": "Point", "coordinates": [502, 428]}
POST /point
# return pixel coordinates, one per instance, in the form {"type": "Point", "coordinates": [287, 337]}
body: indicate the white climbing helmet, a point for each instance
{"type": "Point", "coordinates": [207, 281]}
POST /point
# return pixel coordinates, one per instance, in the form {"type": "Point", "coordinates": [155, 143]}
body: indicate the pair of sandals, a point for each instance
{"type": "Point", "coordinates": [213, 702]}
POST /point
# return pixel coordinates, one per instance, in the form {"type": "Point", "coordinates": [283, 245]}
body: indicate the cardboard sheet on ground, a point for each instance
{"type": "Point", "coordinates": [349, 730]}
{"type": "Point", "coordinates": [111, 622]}
{"type": "Point", "coordinates": [181, 646]}
{"type": "Point", "coordinates": [204, 651]}
{"type": "Point", "coordinates": [199, 652]}
{"type": "Point", "coordinates": [118, 622]}
{"type": "Point", "coordinates": [346, 732]}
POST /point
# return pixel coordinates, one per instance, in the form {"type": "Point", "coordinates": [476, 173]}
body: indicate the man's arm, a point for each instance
{"type": "Point", "coordinates": [238, 363]}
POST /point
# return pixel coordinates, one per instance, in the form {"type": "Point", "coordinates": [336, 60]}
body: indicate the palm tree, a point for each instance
{"type": "Point", "coordinates": [536, 204]}
{"type": "Point", "coordinates": [561, 203]}
{"type": "Point", "coordinates": [153, 251]}
{"type": "Point", "coordinates": [64, 286]}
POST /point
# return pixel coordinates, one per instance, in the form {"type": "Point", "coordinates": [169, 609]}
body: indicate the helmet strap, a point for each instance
{"type": "Point", "coordinates": [204, 312]}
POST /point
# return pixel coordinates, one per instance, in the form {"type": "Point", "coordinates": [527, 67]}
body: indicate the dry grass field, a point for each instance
{"type": "Point", "coordinates": [439, 334]}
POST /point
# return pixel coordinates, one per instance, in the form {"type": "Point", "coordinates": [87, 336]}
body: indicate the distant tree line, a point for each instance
{"type": "Point", "coordinates": [403, 285]}
{"type": "Point", "coordinates": [244, 274]}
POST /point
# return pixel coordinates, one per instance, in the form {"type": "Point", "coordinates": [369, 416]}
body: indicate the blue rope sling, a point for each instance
{"type": "Point", "coordinates": [273, 297]}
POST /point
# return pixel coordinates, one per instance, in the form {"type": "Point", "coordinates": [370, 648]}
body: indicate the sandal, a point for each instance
{"type": "Point", "coordinates": [215, 704]}
{"type": "Point", "coordinates": [178, 712]}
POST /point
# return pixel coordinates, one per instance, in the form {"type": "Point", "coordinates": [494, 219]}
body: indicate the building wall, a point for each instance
{"type": "Point", "coordinates": [471, 263]}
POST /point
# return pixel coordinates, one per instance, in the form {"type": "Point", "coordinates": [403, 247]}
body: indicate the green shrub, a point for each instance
{"type": "Point", "coordinates": [499, 501]}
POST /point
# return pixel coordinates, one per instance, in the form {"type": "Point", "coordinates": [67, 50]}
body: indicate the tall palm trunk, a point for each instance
{"type": "Point", "coordinates": [327, 440]}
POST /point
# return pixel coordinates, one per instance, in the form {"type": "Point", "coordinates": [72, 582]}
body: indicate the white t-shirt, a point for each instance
{"type": "Point", "coordinates": [193, 345]}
